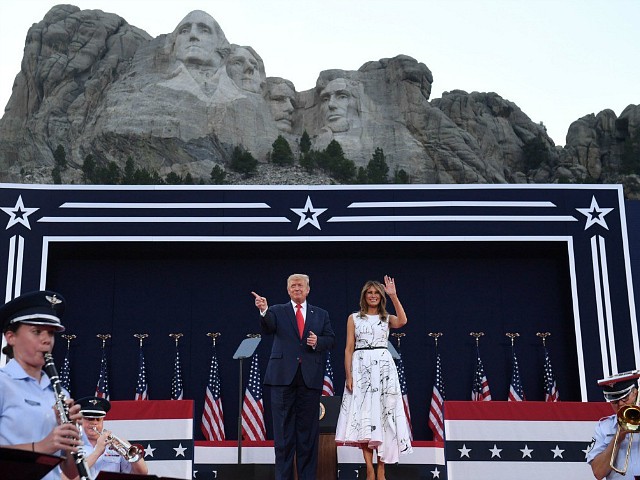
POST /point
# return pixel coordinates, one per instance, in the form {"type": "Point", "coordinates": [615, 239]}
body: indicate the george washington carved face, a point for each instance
{"type": "Point", "coordinates": [199, 40]}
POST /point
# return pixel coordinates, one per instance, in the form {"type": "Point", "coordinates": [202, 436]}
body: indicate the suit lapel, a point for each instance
{"type": "Point", "coordinates": [309, 319]}
{"type": "Point", "coordinates": [292, 318]}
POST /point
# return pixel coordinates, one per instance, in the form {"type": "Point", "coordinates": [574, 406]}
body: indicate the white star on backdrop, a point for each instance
{"type": "Point", "coordinates": [495, 451]}
{"type": "Point", "coordinates": [18, 214]}
{"type": "Point", "coordinates": [595, 214]}
{"type": "Point", "coordinates": [526, 451]}
{"type": "Point", "coordinates": [435, 473]}
{"type": "Point", "coordinates": [179, 450]}
{"type": "Point", "coordinates": [308, 214]}
{"type": "Point", "coordinates": [464, 451]}
{"type": "Point", "coordinates": [148, 452]}
{"type": "Point", "coordinates": [557, 452]}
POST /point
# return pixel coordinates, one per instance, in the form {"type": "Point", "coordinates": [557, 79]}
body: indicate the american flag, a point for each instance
{"type": "Point", "coordinates": [176, 381]}
{"type": "Point", "coordinates": [436, 412]}
{"type": "Point", "coordinates": [102, 388]}
{"type": "Point", "coordinates": [212, 418]}
{"type": "Point", "coordinates": [551, 393]}
{"type": "Point", "coordinates": [252, 408]}
{"type": "Point", "coordinates": [65, 373]}
{"type": "Point", "coordinates": [403, 390]}
{"type": "Point", "coordinates": [516, 393]}
{"type": "Point", "coordinates": [141, 385]}
{"type": "Point", "coordinates": [480, 391]}
{"type": "Point", "coordinates": [327, 384]}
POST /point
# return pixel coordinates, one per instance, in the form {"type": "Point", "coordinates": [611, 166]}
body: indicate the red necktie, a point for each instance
{"type": "Point", "coordinates": [300, 319]}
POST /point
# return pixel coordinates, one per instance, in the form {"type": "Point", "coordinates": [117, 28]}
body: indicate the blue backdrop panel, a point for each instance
{"type": "Point", "coordinates": [496, 259]}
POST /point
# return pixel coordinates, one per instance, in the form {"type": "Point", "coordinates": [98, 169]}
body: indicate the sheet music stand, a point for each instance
{"type": "Point", "coordinates": [246, 349]}
{"type": "Point", "coordinates": [26, 465]}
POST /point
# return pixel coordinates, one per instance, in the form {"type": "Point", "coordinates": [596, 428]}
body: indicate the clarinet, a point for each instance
{"type": "Point", "coordinates": [63, 411]}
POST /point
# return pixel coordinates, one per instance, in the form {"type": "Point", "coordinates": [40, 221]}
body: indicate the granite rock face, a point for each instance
{"type": "Point", "coordinates": [183, 101]}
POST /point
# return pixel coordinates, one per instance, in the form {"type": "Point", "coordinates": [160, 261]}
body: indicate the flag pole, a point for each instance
{"type": "Point", "coordinates": [246, 349]}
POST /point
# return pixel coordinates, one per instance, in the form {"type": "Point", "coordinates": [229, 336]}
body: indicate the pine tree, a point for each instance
{"type": "Point", "coordinates": [243, 162]}
{"type": "Point", "coordinates": [400, 176]}
{"type": "Point", "coordinates": [377, 168]}
{"type": "Point", "coordinates": [281, 153]}
{"type": "Point", "coordinates": [305, 143]}
{"type": "Point", "coordinates": [89, 169]}
{"type": "Point", "coordinates": [60, 157]}
{"type": "Point", "coordinates": [218, 175]}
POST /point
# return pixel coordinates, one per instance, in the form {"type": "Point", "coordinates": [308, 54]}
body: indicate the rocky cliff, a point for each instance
{"type": "Point", "coordinates": [182, 102]}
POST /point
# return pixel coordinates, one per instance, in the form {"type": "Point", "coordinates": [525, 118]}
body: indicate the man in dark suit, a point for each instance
{"type": "Point", "coordinates": [302, 334]}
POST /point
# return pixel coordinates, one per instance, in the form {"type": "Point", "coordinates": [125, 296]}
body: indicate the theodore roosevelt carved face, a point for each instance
{"type": "Point", "coordinates": [281, 97]}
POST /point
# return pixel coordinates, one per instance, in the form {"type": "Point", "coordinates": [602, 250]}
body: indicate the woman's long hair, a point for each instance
{"type": "Point", "coordinates": [364, 307]}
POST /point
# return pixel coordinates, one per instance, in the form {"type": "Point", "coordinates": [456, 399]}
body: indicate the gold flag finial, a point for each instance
{"type": "Point", "coordinates": [141, 337]}
{"type": "Point", "coordinates": [213, 336]}
{"type": "Point", "coordinates": [398, 337]}
{"type": "Point", "coordinates": [68, 338]}
{"type": "Point", "coordinates": [477, 336]}
{"type": "Point", "coordinates": [103, 337]}
{"type": "Point", "coordinates": [435, 336]}
{"type": "Point", "coordinates": [512, 336]}
{"type": "Point", "coordinates": [543, 336]}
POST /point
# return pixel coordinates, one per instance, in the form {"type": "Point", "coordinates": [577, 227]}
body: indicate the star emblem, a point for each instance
{"type": "Point", "coordinates": [308, 214]}
{"type": "Point", "coordinates": [18, 214]}
{"type": "Point", "coordinates": [148, 452]}
{"type": "Point", "coordinates": [435, 473]}
{"type": "Point", "coordinates": [595, 214]}
{"type": "Point", "coordinates": [495, 451]}
{"type": "Point", "coordinates": [179, 450]}
{"type": "Point", "coordinates": [526, 451]}
{"type": "Point", "coordinates": [557, 452]}
{"type": "Point", "coordinates": [464, 451]}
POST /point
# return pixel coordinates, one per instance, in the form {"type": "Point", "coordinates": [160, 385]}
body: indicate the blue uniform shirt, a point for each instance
{"type": "Point", "coordinates": [605, 431]}
{"type": "Point", "coordinates": [109, 461]}
{"type": "Point", "coordinates": [26, 408]}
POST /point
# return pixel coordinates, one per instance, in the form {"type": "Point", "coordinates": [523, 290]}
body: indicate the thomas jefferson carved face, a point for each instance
{"type": "Point", "coordinates": [337, 103]}
{"type": "Point", "coordinates": [198, 40]}
{"type": "Point", "coordinates": [281, 102]}
{"type": "Point", "coordinates": [244, 69]}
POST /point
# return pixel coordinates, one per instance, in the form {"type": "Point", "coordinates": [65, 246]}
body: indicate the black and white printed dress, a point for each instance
{"type": "Point", "coordinates": [372, 414]}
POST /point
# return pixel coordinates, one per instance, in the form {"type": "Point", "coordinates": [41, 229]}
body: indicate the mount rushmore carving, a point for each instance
{"type": "Point", "coordinates": [183, 101]}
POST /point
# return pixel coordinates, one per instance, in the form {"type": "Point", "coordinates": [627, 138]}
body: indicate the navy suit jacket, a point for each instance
{"type": "Point", "coordinates": [289, 350]}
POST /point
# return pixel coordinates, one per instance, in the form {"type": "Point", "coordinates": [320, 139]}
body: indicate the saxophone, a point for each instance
{"type": "Point", "coordinates": [63, 412]}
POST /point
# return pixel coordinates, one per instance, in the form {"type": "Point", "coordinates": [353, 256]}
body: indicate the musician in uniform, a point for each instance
{"type": "Point", "coordinates": [99, 448]}
{"type": "Point", "coordinates": [618, 391]}
{"type": "Point", "coordinates": [28, 419]}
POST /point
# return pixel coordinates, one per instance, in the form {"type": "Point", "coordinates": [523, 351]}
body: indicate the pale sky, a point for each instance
{"type": "Point", "coordinates": [558, 60]}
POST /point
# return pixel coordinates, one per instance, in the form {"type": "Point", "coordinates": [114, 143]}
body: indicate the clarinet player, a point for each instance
{"type": "Point", "coordinates": [27, 419]}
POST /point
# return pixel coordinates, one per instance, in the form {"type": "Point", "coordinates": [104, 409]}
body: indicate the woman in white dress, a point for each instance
{"type": "Point", "coordinates": [372, 413]}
